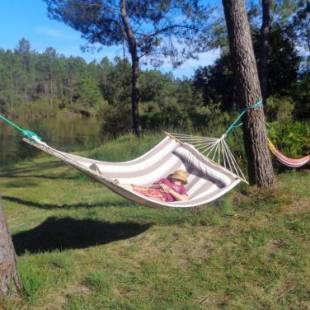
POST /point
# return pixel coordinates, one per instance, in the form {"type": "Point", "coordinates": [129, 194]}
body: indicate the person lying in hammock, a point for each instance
{"type": "Point", "coordinates": [166, 189]}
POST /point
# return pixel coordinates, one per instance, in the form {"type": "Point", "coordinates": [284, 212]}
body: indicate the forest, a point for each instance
{"type": "Point", "coordinates": [37, 85]}
{"type": "Point", "coordinates": [40, 84]}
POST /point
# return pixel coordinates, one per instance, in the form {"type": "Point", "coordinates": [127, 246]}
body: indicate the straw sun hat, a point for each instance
{"type": "Point", "coordinates": [179, 175]}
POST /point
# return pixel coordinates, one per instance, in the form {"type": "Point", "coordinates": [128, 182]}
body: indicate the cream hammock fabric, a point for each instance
{"type": "Point", "coordinates": [210, 176]}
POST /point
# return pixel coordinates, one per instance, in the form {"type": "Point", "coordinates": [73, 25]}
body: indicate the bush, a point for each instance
{"type": "Point", "coordinates": [116, 119]}
{"type": "Point", "coordinates": [292, 138]}
{"type": "Point", "coordinates": [165, 114]}
{"type": "Point", "coordinates": [280, 109]}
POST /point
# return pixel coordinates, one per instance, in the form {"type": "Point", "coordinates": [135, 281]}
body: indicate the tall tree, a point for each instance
{"type": "Point", "coordinates": [264, 48]}
{"type": "Point", "coordinates": [9, 278]}
{"type": "Point", "coordinates": [301, 25]}
{"type": "Point", "coordinates": [216, 82]}
{"type": "Point", "coordinates": [24, 77]}
{"type": "Point", "coordinates": [175, 29]}
{"type": "Point", "coordinates": [241, 48]}
{"type": "Point", "coordinates": [283, 61]}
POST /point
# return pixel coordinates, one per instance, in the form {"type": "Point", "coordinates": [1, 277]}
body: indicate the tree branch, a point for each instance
{"type": "Point", "coordinates": [132, 43]}
{"type": "Point", "coordinates": [167, 28]}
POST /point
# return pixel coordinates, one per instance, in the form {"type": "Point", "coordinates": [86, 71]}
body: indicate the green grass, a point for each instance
{"type": "Point", "coordinates": [82, 247]}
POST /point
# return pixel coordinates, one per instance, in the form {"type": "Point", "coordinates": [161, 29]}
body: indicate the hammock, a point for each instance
{"type": "Point", "coordinates": [212, 168]}
{"type": "Point", "coordinates": [207, 181]}
{"type": "Point", "coordinates": [287, 161]}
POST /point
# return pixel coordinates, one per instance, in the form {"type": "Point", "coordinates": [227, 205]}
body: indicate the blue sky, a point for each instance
{"type": "Point", "coordinates": [28, 19]}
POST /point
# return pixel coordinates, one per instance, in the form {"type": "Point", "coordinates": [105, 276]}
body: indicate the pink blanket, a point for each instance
{"type": "Point", "coordinates": [156, 192]}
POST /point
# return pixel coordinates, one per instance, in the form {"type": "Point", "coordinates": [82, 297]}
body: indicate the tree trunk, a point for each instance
{"type": "Point", "coordinates": [255, 134]}
{"type": "Point", "coordinates": [9, 278]}
{"type": "Point", "coordinates": [264, 48]}
{"type": "Point", "coordinates": [132, 46]}
{"type": "Point", "coordinates": [135, 96]}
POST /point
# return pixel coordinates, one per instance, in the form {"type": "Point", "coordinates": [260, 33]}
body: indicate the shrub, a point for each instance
{"type": "Point", "coordinates": [116, 119]}
{"type": "Point", "coordinates": [280, 109]}
{"type": "Point", "coordinates": [292, 138]}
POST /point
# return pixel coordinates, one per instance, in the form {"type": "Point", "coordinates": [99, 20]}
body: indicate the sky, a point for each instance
{"type": "Point", "coordinates": [28, 19]}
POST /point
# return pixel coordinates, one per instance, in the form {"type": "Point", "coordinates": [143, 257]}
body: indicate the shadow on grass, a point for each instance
{"type": "Point", "coordinates": [69, 233]}
{"type": "Point", "coordinates": [32, 172]}
{"type": "Point", "coordinates": [20, 184]}
{"type": "Point", "coordinates": [48, 206]}
{"type": "Point", "coordinates": [62, 176]}
{"type": "Point", "coordinates": [31, 168]}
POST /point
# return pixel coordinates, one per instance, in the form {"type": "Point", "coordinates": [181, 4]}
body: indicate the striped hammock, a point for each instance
{"type": "Point", "coordinates": [287, 161]}
{"type": "Point", "coordinates": [210, 175]}
{"type": "Point", "coordinates": [212, 167]}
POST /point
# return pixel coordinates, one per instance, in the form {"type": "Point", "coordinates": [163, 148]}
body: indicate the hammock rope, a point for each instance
{"type": "Point", "coordinates": [237, 122]}
{"type": "Point", "coordinates": [24, 132]}
{"type": "Point", "coordinates": [217, 149]}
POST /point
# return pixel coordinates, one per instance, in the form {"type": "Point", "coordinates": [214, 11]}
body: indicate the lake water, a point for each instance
{"type": "Point", "coordinates": [66, 134]}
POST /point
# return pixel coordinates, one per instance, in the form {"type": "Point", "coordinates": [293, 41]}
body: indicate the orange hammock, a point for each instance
{"type": "Point", "coordinates": [287, 161]}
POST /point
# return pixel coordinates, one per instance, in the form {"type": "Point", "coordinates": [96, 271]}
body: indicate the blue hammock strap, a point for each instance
{"type": "Point", "coordinates": [237, 122]}
{"type": "Point", "coordinates": [25, 132]}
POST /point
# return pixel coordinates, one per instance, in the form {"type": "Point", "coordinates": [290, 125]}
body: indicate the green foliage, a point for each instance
{"type": "Point", "coordinates": [280, 109]}
{"type": "Point", "coordinates": [292, 138]}
{"type": "Point", "coordinates": [174, 30]}
{"type": "Point", "coordinates": [165, 102]}
{"type": "Point", "coordinates": [301, 97]}
{"type": "Point", "coordinates": [300, 25]}
{"type": "Point", "coordinates": [283, 61]}
{"type": "Point", "coordinates": [115, 80]}
{"type": "Point", "coordinates": [87, 95]}
{"type": "Point", "coordinates": [116, 119]}
{"type": "Point", "coordinates": [216, 81]}
{"type": "Point", "coordinates": [209, 118]}
{"type": "Point", "coordinates": [28, 76]}
{"type": "Point", "coordinates": [45, 84]}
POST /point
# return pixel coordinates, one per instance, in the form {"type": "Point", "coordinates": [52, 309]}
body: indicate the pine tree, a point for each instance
{"type": "Point", "coordinates": [249, 91]}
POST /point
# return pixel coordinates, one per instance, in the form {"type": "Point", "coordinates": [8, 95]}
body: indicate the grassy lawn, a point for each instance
{"type": "Point", "coordinates": [82, 247]}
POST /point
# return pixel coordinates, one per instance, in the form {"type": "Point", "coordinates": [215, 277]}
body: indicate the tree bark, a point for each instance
{"type": "Point", "coordinates": [9, 278]}
{"type": "Point", "coordinates": [135, 96]}
{"type": "Point", "coordinates": [264, 48]}
{"type": "Point", "coordinates": [255, 135]}
{"type": "Point", "coordinates": [132, 46]}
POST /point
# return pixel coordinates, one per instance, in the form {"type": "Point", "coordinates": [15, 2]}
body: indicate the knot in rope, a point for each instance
{"type": "Point", "coordinates": [237, 122]}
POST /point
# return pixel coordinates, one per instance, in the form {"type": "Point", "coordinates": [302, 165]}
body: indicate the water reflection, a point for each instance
{"type": "Point", "coordinates": [65, 133]}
